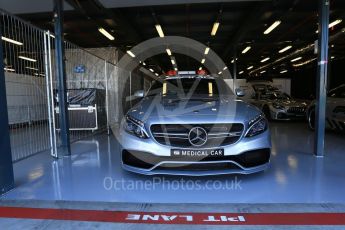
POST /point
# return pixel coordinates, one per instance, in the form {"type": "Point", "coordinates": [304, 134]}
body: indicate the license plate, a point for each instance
{"type": "Point", "coordinates": [197, 152]}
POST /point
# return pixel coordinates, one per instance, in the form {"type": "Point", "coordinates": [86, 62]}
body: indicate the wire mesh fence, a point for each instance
{"type": "Point", "coordinates": [23, 51]}
{"type": "Point", "coordinates": [32, 95]}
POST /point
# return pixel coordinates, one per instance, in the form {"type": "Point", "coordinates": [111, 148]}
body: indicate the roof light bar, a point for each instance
{"type": "Point", "coordinates": [285, 49]}
{"type": "Point", "coordinates": [246, 49]}
{"type": "Point", "coordinates": [160, 31]}
{"type": "Point", "coordinates": [272, 27]}
{"type": "Point", "coordinates": [214, 29]}
{"type": "Point", "coordinates": [106, 33]}
{"type": "Point", "coordinates": [130, 53]}
{"type": "Point", "coordinates": [11, 41]}
{"type": "Point", "coordinates": [27, 59]}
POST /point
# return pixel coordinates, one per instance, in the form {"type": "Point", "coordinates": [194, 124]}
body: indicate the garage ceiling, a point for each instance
{"type": "Point", "coordinates": [242, 24]}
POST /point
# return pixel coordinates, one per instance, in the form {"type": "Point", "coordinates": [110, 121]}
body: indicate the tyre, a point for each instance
{"type": "Point", "coordinates": [311, 119]}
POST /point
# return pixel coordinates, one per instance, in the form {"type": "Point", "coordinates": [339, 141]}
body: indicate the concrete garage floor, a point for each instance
{"type": "Point", "coordinates": [93, 173]}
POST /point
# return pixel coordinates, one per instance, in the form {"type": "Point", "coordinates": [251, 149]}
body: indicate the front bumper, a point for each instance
{"type": "Point", "coordinates": [283, 115]}
{"type": "Point", "coordinates": [146, 156]}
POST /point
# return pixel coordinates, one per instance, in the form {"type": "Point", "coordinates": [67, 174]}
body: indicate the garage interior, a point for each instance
{"type": "Point", "coordinates": [80, 48]}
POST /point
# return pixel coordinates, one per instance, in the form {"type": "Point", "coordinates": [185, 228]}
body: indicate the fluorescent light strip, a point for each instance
{"type": "Point", "coordinates": [203, 61]}
{"type": "Point", "coordinates": [31, 68]}
{"type": "Point", "coordinates": [175, 69]}
{"type": "Point", "coordinates": [9, 69]}
{"type": "Point", "coordinates": [106, 33]}
{"type": "Point", "coordinates": [225, 68]}
{"type": "Point", "coordinates": [168, 52]}
{"type": "Point", "coordinates": [220, 72]}
{"type": "Point", "coordinates": [285, 49]}
{"type": "Point", "coordinates": [272, 27]}
{"type": "Point", "coordinates": [241, 72]}
{"type": "Point", "coordinates": [159, 31]}
{"type": "Point", "coordinates": [200, 68]}
{"type": "Point", "coordinates": [264, 71]}
{"type": "Point", "coordinates": [173, 61]}
{"type": "Point", "coordinates": [130, 53]}
{"type": "Point", "coordinates": [11, 41]}
{"type": "Point", "coordinates": [207, 50]}
{"type": "Point", "coordinates": [336, 22]}
{"type": "Point", "coordinates": [214, 29]}
{"type": "Point", "coordinates": [27, 59]}
{"type": "Point", "coordinates": [265, 59]}
{"type": "Point", "coordinates": [144, 63]}
{"type": "Point", "coordinates": [246, 49]}
{"type": "Point", "coordinates": [152, 70]}
{"type": "Point", "coordinates": [283, 71]}
{"type": "Point", "coordinates": [296, 59]}
{"type": "Point", "coordinates": [250, 67]}
{"type": "Point", "coordinates": [157, 74]}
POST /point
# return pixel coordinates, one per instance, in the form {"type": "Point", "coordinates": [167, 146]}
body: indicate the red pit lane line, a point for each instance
{"type": "Point", "coordinates": [175, 217]}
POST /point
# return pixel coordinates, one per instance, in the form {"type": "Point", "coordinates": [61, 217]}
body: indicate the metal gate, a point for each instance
{"type": "Point", "coordinates": [31, 86]}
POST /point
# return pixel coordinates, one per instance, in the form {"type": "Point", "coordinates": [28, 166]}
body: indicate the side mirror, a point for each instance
{"type": "Point", "coordinates": [239, 92]}
{"type": "Point", "coordinates": [139, 93]}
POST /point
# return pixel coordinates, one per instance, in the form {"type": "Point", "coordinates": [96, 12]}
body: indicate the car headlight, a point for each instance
{"type": "Point", "coordinates": [277, 106]}
{"type": "Point", "coordinates": [135, 127]}
{"type": "Point", "coordinates": [257, 125]}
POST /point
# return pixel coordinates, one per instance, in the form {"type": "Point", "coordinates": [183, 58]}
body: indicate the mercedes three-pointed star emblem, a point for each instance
{"type": "Point", "coordinates": [197, 136]}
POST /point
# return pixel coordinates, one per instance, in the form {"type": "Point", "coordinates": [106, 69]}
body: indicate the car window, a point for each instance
{"type": "Point", "coordinates": [185, 86]}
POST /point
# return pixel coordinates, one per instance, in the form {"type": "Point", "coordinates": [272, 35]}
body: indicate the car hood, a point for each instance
{"type": "Point", "coordinates": [202, 109]}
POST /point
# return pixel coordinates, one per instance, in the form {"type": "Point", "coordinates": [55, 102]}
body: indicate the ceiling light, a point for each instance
{"type": "Point", "coordinates": [144, 63]}
{"type": "Point", "coordinates": [159, 30]}
{"type": "Point", "coordinates": [285, 49]}
{"type": "Point", "coordinates": [220, 72]}
{"type": "Point", "coordinates": [332, 57]}
{"type": "Point", "coordinates": [9, 69]}
{"type": "Point", "coordinates": [336, 22]}
{"type": "Point", "coordinates": [246, 49]}
{"type": "Point", "coordinates": [265, 59]}
{"type": "Point", "coordinates": [130, 53]}
{"type": "Point", "coordinates": [200, 68]}
{"type": "Point", "coordinates": [152, 70]}
{"type": "Point", "coordinates": [175, 69]}
{"type": "Point", "coordinates": [225, 68]}
{"type": "Point", "coordinates": [36, 74]}
{"type": "Point", "coordinates": [264, 71]}
{"type": "Point", "coordinates": [12, 41]}
{"type": "Point", "coordinates": [250, 67]}
{"type": "Point", "coordinates": [296, 59]}
{"type": "Point", "coordinates": [207, 50]}
{"type": "Point", "coordinates": [28, 59]}
{"type": "Point", "coordinates": [173, 61]}
{"type": "Point", "coordinates": [168, 52]}
{"type": "Point", "coordinates": [272, 27]}
{"type": "Point", "coordinates": [31, 68]}
{"type": "Point", "coordinates": [214, 28]}
{"type": "Point", "coordinates": [241, 72]}
{"type": "Point", "coordinates": [203, 61]}
{"type": "Point", "coordinates": [157, 74]}
{"type": "Point", "coordinates": [105, 33]}
{"type": "Point", "coordinates": [232, 61]}
{"type": "Point", "coordinates": [283, 71]}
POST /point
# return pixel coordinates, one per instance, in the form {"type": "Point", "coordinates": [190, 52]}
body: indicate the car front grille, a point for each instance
{"type": "Point", "coordinates": [176, 135]}
{"type": "Point", "coordinates": [296, 110]}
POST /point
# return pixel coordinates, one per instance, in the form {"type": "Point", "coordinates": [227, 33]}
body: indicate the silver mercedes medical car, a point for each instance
{"type": "Point", "coordinates": [193, 125]}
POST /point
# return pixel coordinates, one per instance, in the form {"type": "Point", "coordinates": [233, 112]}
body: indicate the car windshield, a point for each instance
{"type": "Point", "coordinates": [275, 96]}
{"type": "Point", "coordinates": [185, 87]}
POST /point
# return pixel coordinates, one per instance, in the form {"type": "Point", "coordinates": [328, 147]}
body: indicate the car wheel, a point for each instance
{"type": "Point", "coordinates": [311, 119]}
{"type": "Point", "coordinates": [267, 113]}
